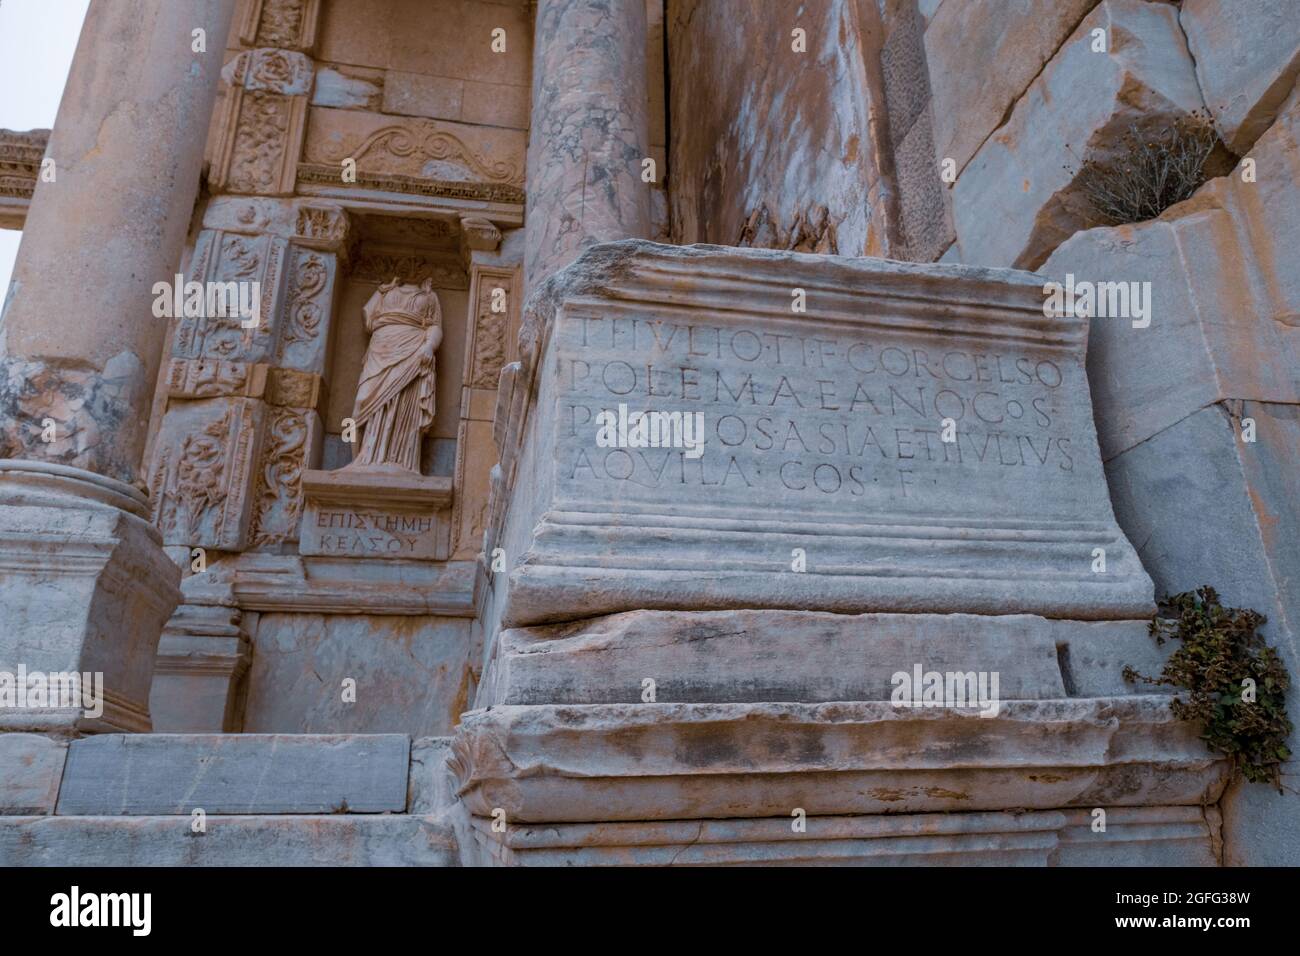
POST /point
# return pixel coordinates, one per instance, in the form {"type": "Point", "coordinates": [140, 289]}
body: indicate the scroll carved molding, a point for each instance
{"type": "Point", "coordinates": [286, 455]}
{"type": "Point", "coordinates": [425, 140]}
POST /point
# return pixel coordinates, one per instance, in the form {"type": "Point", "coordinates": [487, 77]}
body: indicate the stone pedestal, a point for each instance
{"type": "Point", "coordinates": [920, 439]}
{"type": "Point", "coordinates": [85, 590]}
{"type": "Point", "coordinates": [909, 446]}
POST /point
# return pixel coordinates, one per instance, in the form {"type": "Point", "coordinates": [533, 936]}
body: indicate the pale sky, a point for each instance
{"type": "Point", "coordinates": [37, 40]}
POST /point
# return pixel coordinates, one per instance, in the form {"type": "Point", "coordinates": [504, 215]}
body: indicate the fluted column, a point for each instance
{"type": "Point", "coordinates": [588, 134]}
{"type": "Point", "coordinates": [84, 584]}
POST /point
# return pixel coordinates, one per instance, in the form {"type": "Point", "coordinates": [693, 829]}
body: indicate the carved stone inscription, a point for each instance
{"type": "Point", "coordinates": [917, 439]}
{"type": "Point", "coordinates": [367, 533]}
{"type": "Point", "coordinates": [816, 416]}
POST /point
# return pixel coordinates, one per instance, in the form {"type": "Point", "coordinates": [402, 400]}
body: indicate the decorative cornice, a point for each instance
{"type": "Point", "coordinates": [20, 167]}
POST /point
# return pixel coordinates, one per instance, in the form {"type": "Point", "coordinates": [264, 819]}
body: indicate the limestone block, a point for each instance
{"type": "Point", "coordinates": [251, 841]}
{"type": "Point", "coordinates": [1247, 60]}
{"type": "Point", "coordinates": [348, 88]}
{"type": "Point", "coordinates": [415, 94]}
{"type": "Point", "coordinates": [1210, 508]}
{"type": "Point", "coordinates": [1016, 201]}
{"type": "Point", "coordinates": [1151, 836]}
{"type": "Point", "coordinates": [409, 673]}
{"type": "Point", "coordinates": [714, 656]}
{"type": "Point", "coordinates": [140, 775]}
{"type": "Point", "coordinates": [204, 472]}
{"type": "Point", "coordinates": [821, 433]}
{"type": "Point", "coordinates": [85, 589]}
{"type": "Point", "coordinates": [421, 37]}
{"type": "Point", "coordinates": [630, 762]}
{"type": "Point", "coordinates": [496, 104]}
{"type": "Point", "coordinates": [982, 55]}
{"type": "Point", "coordinates": [31, 766]}
{"type": "Point", "coordinates": [1224, 305]}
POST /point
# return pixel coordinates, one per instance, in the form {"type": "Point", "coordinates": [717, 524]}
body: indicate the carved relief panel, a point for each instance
{"type": "Point", "coordinates": [267, 378]}
{"type": "Point", "coordinates": [201, 478]}
{"type": "Point", "coordinates": [221, 257]}
{"type": "Point", "coordinates": [261, 124]}
{"type": "Point", "coordinates": [294, 285]}
{"type": "Point", "coordinates": [492, 327]}
{"type": "Point", "coordinates": [291, 444]}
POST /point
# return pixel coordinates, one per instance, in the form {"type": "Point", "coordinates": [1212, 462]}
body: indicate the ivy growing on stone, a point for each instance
{"type": "Point", "coordinates": [1221, 654]}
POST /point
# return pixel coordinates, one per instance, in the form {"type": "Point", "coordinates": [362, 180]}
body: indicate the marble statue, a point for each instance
{"type": "Point", "coordinates": [395, 396]}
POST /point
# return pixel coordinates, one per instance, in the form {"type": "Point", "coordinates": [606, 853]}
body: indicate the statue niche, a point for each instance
{"type": "Point", "coordinates": [395, 397]}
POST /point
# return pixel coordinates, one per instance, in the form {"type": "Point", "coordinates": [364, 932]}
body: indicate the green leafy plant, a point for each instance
{"type": "Point", "coordinates": [1220, 655]}
{"type": "Point", "coordinates": [1149, 171]}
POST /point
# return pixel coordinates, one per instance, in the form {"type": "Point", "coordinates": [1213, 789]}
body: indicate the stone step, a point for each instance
{"type": "Point", "coordinates": [146, 774]}
{"type": "Point", "coordinates": [253, 840]}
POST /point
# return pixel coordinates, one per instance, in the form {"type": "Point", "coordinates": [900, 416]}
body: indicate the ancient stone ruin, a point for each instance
{"type": "Point", "coordinates": [645, 432]}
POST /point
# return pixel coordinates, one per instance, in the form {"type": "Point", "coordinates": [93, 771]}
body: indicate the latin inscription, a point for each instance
{"type": "Point", "coordinates": [815, 414]}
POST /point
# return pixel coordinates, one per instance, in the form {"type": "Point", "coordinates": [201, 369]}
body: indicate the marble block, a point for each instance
{"type": "Point", "coordinates": [824, 481]}
{"type": "Point", "coordinates": [166, 774]}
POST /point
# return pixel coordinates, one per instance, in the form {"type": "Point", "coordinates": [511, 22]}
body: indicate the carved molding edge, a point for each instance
{"type": "Point", "coordinates": [290, 24]}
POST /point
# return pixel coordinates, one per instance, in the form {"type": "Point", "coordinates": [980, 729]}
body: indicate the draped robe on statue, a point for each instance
{"type": "Point", "coordinates": [395, 397]}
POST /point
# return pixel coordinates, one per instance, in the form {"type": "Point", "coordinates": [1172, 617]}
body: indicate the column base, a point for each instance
{"type": "Point", "coordinates": [85, 589]}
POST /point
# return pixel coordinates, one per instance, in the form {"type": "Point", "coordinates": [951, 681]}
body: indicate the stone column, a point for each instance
{"type": "Point", "coordinates": [589, 131]}
{"type": "Point", "coordinates": [84, 583]}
